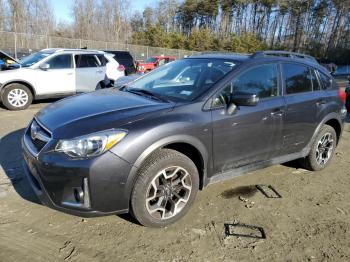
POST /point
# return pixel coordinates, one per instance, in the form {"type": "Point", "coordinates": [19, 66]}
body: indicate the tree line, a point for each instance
{"type": "Point", "coordinates": [317, 27]}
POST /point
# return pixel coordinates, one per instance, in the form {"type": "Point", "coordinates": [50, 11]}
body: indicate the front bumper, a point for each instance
{"type": "Point", "coordinates": [89, 187]}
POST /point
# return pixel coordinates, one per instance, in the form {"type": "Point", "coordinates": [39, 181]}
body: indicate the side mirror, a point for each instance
{"type": "Point", "coordinates": [244, 99]}
{"type": "Point", "coordinates": [44, 67]}
{"type": "Point", "coordinates": [231, 109]}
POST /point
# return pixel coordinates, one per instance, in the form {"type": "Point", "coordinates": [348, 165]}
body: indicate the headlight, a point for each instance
{"type": "Point", "coordinates": [90, 145]}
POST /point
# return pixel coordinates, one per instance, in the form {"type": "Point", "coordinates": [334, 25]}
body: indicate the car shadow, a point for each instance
{"type": "Point", "coordinates": [11, 163]}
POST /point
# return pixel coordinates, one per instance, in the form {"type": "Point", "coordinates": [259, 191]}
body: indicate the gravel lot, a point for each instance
{"type": "Point", "coordinates": [311, 222]}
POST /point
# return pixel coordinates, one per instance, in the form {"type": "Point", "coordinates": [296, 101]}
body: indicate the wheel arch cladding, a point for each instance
{"type": "Point", "coordinates": [336, 125]}
{"type": "Point", "coordinates": [191, 147]}
{"type": "Point", "coordinates": [192, 153]}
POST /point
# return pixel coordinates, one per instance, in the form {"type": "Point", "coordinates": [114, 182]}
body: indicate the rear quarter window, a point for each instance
{"type": "Point", "coordinates": [326, 81]}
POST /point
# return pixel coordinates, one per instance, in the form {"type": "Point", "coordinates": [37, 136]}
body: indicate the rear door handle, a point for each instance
{"type": "Point", "coordinates": [277, 112]}
{"type": "Point", "coordinates": [321, 102]}
{"type": "Point", "coordinates": [100, 72]}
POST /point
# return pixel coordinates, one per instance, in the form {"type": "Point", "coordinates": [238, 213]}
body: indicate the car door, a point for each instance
{"type": "Point", "coordinates": [252, 133]}
{"type": "Point", "coordinates": [55, 76]}
{"type": "Point", "coordinates": [89, 72]}
{"type": "Point", "coordinates": [304, 102]}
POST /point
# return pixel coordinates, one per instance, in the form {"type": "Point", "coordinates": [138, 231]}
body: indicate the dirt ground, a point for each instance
{"type": "Point", "coordinates": [311, 222]}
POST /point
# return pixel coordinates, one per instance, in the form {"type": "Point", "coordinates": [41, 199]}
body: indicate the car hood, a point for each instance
{"type": "Point", "coordinates": [3, 55]}
{"type": "Point", "coordinates": [96, 111]}
{"type": "Point", "coordinates": [15, 71]}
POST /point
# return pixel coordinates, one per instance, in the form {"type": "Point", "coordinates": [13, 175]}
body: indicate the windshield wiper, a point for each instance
{"type": "Point", "coordinates": [147, 93]}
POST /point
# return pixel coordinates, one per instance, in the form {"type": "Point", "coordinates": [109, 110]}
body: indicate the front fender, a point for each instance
{"type": "Point", "coordinates": [193, 141]}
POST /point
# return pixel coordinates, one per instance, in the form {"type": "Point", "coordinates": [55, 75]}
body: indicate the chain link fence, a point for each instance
{"type": "Point", "coordinates": [20, 44]}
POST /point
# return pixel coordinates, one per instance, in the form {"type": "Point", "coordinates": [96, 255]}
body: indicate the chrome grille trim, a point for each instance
{"type": "Point", "coordinates": [43, 135]}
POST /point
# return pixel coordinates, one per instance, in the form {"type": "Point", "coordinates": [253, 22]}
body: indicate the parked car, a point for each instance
{"type": "Point", "coordinates": [114, 69]}
{"type": "Point", "coordinates": [341, 75]}
{"type": "Point", "coordinates": [7, 62]}
{"type": "Point", "coordinates": [150, 146]}
{"type": "Point", "coordinates": [52, 73]}
{"type": "Point", "coordinates": [153, 62]}
{"type": "Point", "coordinates": [125, 59]}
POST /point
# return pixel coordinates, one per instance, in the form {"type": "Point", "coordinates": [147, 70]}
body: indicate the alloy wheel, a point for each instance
{"type": "Point", "coordinates": [168, 192]}
{"type": "Point", "coordinates": [324, 149]}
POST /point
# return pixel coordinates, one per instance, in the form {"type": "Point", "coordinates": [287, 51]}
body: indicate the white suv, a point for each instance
{"type": "Point", "coordinates": [52, 73]}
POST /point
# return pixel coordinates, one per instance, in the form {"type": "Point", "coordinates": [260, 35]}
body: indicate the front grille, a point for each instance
{"type": "Point", "coordinates": [38, 144]}
{"type": "Point", "coordinates": [38, 136]}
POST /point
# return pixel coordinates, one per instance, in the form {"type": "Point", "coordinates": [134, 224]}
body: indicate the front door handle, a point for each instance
{"type": "Point", "coordinates": [100, 72]}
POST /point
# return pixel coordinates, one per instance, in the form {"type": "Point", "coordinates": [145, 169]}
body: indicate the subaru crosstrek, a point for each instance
{"type": "Point", "coordinates": [148, 147]}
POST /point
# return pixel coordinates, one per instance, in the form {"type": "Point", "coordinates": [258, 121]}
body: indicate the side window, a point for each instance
{"type": "Point", "coordinates": [297, 78]}
{"type": "Point", "coordinates": [84, 61]}
{"type": "Point", "coordinates": [60, 62]}
{"type": "Point", "coordinates": [102, 59]}
{"type": "Point", "coordinates": [325, 81]}
{"type": "Point", "coordinates": [315, 83]}
{"type": "Point", "coordinates": [261, 80]}
{"type": "Point", "coordinates": [161, 61]}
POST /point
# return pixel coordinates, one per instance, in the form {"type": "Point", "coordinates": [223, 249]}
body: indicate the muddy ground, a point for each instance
{"type": "Point", "coordinates": [311, 222]}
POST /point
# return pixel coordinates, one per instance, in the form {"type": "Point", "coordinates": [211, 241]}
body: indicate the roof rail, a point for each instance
{"type": "Point", "coordinates": [284, 54]}
{"type": "Point", "coordinates": [218, 53]}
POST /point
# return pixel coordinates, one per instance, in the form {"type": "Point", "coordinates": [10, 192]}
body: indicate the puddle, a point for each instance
{"type": "Point", "coordinates": [245, 191]}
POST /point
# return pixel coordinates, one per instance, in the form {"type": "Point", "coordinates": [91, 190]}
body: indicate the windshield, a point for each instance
{"type": "Point", "coordinates": [151, 60]}
{"type": "Point", "coordinates": [183, 80]}
{"type": "Point", "coordinates": [33, 58]}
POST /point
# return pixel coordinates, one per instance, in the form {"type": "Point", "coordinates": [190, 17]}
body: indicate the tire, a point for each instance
{"type": "Point", "coordinates": [347, 103]}
{"type": "Point", "coordinates": [14, 91]}
{"type": "Point", "coordinates": [150, 182]}
{"type": "Point", "coordinates": [312, 161]}
{"type": "Point", "coordinates": [99, 86]}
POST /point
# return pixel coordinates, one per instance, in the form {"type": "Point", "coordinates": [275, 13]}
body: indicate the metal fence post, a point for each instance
{"type": "Point", "coordinates": [147, 53]}
{"type": "Point", "coordinates": [15, 36]}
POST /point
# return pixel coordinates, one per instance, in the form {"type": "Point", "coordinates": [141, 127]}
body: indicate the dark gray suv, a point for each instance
{"type": "Point", "coordinates": [148, 147]}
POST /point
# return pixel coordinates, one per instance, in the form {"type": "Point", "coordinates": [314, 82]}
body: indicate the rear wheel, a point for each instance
{"type": "Point", "coordinates": [348, 103]}
{"type": "Point", "coordinates": [165, 188]}
{"type": "Point", "coordinates": [16, 97]}
{"type": "Point", "coordinates": [322, 149]}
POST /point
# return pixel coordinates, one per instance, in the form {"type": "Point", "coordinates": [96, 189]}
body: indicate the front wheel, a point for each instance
{"type": "Point", "coordinates": [165, 188]}
{"type": "Point", "coordinates": [322, 149]}
{"type": "Point", "coordinates": [16, 97]}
